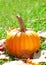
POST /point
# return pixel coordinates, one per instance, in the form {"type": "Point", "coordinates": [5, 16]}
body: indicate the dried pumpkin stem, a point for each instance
{"type": "Point", "coordinates": [21, 24]}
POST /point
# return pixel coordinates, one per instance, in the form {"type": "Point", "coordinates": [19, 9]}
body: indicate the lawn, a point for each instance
{"type": "Point", "coordinates": [33, 13]}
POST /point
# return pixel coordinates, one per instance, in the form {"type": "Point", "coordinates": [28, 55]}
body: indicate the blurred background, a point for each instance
{"type": "Point", "coordinates": [33, 13]}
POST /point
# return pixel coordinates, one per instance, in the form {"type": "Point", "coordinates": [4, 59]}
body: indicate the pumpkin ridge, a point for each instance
{"type": "Point", "coordinates": [36, 40]}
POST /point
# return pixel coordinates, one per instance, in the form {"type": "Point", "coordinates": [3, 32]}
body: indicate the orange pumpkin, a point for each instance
{"type": "Point", "coordinates": [21, 41]}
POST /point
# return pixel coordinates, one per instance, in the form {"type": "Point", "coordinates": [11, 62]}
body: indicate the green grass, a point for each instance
{"type": "Point", "coordinates": [33, 13]}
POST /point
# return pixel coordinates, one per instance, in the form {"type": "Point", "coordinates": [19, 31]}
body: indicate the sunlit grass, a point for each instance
{"type": "Point", "coordinates": [33, 13]}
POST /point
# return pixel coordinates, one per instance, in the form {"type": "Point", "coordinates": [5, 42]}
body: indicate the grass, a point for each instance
{"type": "Point", "coordinates": [33, 13]}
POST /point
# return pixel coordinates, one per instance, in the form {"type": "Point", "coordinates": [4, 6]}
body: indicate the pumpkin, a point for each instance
{"type": "Point", "coordinates": [21, 41]}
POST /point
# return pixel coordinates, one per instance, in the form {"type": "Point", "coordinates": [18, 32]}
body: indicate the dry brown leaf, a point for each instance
{"type": "Point", "coordinates": [3, 57]}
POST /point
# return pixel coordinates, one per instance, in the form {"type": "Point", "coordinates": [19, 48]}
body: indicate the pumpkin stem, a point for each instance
{"type": "Point", "coordinates": [23, 29]}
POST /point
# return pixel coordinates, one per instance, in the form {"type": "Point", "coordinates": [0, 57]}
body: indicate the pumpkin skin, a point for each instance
{"type": "Point", "coordinates": [22, 43]}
